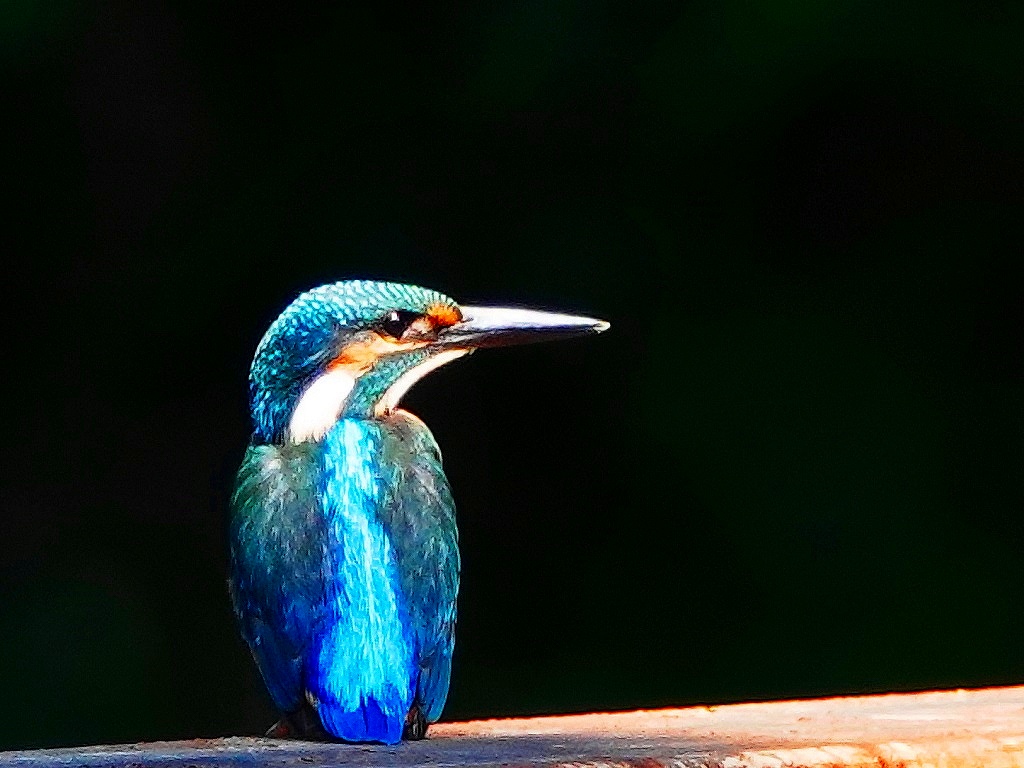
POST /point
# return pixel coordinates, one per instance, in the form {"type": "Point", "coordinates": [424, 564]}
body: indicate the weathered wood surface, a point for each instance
{"type": "Point", "coordinates": [949, 728]}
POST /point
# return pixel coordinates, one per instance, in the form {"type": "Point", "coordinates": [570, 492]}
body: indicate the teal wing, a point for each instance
{"type": "Point", "coordinates": [279, 537]}
{"type": "Point", "coordinates": [423, 531]}
{"type": "Point", "coordinates": [277, 580]}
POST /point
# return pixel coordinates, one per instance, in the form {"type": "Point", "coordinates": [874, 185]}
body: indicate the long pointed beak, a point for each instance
{"type": "Point", "coordinates": [502, 326]}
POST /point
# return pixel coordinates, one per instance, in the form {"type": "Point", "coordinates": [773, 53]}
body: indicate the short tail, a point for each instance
{"type": "Point", "coordinates": [371, 720]}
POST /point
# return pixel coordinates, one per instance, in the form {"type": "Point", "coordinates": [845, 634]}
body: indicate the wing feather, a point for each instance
{"type": "Point", "coordinates": [283, 554]}
{"type": "Point", "coordinates": [424, 533]}
{"type": "Point", "coordinates": [277, 579]}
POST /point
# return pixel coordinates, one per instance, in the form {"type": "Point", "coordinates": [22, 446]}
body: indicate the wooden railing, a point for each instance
{"type": "Point", "coordinates": [941, 729]}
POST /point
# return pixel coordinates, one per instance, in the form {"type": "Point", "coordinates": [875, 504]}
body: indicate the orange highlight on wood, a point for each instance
{"type": "Point", "coordinates": [952, 729]}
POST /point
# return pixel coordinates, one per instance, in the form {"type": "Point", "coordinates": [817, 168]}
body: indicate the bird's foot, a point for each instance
{"type": "Point", "coordinates": [415, 724]}
{"type": "Point", "coordinates": [282, 729]}
{"type": "Point", "coordinates": [303, 723]}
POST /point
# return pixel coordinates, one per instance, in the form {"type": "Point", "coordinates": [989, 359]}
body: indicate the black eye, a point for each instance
{"type": "Point", "coordinates": [397, 322]}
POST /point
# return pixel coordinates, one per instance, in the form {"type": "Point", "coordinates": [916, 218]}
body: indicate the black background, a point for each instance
{"type": "Point", "coordinates": [792, 467]}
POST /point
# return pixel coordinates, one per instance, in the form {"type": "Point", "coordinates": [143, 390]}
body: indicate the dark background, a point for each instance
{"type": "Point", "coordinates": [791, 468]}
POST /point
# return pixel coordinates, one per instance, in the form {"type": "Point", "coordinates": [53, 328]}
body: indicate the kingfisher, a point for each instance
{"type": "Point", "coordinates": [344, 562]}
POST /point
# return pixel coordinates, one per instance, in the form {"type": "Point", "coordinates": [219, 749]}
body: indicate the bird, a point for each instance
{"type": "Point", "coordinates": [344, 557]}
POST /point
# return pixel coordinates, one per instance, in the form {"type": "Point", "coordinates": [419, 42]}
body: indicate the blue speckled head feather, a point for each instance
{"type": "Point", "coordinates": [311, 332]}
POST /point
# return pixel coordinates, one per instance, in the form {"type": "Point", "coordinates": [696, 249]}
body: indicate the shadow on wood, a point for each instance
{"type": "Point", "coordinates": [948, 728]}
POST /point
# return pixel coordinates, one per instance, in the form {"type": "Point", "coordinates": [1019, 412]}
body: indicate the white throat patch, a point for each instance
{"type": "Point", "coordinates": [319, 406]}
{"type": "Point", "coordinates": [323, 401]}
{"type": "Point", "coordinates": [397, 390]}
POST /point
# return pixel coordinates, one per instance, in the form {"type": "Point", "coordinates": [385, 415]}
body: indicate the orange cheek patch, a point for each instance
{"type": "Point", "coordinates": [359, 356]}
{"type": "Point", "coordinates": [355, 357]}
{"type": "Point", "coordinates": [443, 315]}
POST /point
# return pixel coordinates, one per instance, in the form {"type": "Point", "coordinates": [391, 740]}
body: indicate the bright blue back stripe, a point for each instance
{"type": "Point", "coordinates": [362, 668]}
